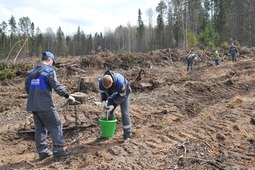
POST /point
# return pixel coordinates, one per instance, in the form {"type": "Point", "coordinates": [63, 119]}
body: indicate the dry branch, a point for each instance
{"type": "Point", "coordinates": [20, 50]}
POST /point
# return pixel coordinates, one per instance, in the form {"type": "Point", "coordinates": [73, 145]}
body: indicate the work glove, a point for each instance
{"type": "Point", "coordinates": [109, 108]}
{"type": "Point", "coordinates": [71, 99]}
{"type": "Point", "coordinates": [104, 104]}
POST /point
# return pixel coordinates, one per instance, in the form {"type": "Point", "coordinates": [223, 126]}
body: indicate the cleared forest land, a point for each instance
{"type": "Point", "coordinates": [201, 119]}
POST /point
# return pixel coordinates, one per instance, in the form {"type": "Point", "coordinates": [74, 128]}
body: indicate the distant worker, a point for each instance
{"type": "Point", "coordinates": [233, 51]}
{"type": "Point", "coordinates": [40, 82]}
{"type": "Point", "coordinates": [216, 56]}
{"type": "Point", "coordinates": [115, 90]}
{"type": "Point", "coordinates": [192, 56]}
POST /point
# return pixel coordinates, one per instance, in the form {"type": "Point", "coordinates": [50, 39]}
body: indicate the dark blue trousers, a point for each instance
{"type": "Point", "coordinates": [48, 121]}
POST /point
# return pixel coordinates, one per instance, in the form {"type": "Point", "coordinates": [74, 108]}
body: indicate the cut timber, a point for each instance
{"type": "Point", "coordinates": [79, 96]}
{"type": "Point", "coordinates": [146, 85]}
{"type": "Point", "coordinates": [138, 85]}
{"type": "Point", "coordinates": [89, 79]}
{"type": "Point", "coordinates": [86, 83]}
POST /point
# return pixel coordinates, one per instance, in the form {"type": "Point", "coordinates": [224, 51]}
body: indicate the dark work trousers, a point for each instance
{"type": "Point", "coordinates": [48, 121]}
{"type": "Point", "coordinates": [233, 55]}
{"type": "Point", "coordinates": [189, 63]}
{"type": "Point", "coordinates": [125, 116]}
{"type": "Point", "coordinates": [217, 62]}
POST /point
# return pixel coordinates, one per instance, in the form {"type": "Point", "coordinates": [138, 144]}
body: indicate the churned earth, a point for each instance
{"type": "Point", "coordinates": [201, 119]}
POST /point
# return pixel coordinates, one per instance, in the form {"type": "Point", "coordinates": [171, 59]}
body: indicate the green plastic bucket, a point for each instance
{"type": "Point", "coordinates": [107, 127]}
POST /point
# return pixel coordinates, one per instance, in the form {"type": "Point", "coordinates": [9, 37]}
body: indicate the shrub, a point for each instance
{"type": "Point", "coordinates": [225, 45]}
{"type": "Point", "coordinates": [9, 71]}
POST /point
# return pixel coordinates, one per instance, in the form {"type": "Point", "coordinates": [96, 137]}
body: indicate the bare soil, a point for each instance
{"type": "Point", "coordinates": [201, 119]}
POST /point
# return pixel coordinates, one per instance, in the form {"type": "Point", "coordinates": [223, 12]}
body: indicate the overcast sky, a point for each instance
{"type": "Point", "coordinates": [91, 15]}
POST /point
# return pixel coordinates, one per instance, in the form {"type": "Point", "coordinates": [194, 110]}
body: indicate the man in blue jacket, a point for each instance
{"type": "Point", "coordinates": [190, 58]}
{"type": "Point", "coordinates": [39, 84]}
{"type": "Point", "coordinates": [115, 90]}
{"type": "Point", "coordinates": [233, 51]}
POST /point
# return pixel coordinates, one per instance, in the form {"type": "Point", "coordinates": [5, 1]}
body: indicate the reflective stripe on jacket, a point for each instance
{"type": "Point", "coordinates": [38, 85]}
{"type": "Point", "coordinates": [119, 90]}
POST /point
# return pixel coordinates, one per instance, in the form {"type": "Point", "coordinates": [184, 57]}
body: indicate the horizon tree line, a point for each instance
{"type": "Point", "coordinates": [180, 24]}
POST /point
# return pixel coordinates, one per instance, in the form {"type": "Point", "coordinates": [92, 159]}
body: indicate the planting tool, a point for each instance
{"type": "Point", "coordinates": [76, 118]}
{"type": "Point", "coordinates": [107, 114]}
{"type": "Point", "coordinates": [76, 124]}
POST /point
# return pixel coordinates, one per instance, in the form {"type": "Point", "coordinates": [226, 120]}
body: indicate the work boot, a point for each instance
{"type": "Point", "coordinates": [44, 155]}
{"type": "Point", "coordinates": [127, 139]}
{"type": "Point", "coordinates": [61, 154]}
{"type": "Point", "coordinates": [101, 139]}
{"type": "Point", "coordinates": [127, 133]}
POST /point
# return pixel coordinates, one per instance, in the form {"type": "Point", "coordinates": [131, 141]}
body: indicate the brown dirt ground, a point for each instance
{"type": "Point", "coordinates": [202, 119]}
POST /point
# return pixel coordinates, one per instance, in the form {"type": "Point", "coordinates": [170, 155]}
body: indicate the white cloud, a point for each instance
{"type": "Point", "coordinates": [91, 15]}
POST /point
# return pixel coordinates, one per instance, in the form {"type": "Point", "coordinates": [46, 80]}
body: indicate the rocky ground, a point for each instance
{"type": "Point", "coordinates": [201, 119]}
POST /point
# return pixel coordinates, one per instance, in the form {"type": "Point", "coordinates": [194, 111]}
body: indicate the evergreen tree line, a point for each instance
{"type": "Point", "coordinates": [172, 24]}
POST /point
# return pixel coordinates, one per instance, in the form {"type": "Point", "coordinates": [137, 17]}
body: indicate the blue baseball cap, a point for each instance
{"type": "Point", "coordinates": [49, 54]}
